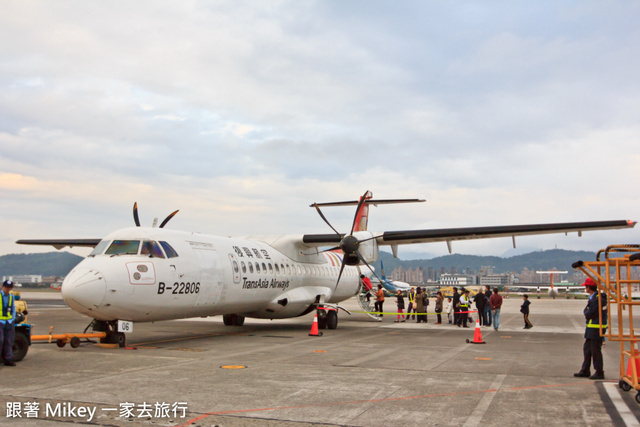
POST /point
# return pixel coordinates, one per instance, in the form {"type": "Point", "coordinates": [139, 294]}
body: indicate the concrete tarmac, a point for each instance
{"type": "Point", "coordinates": [272, 373]}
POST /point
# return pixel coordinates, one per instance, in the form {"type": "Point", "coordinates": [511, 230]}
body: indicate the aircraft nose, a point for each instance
{"type": "Point", "coordinates": [84, 290]}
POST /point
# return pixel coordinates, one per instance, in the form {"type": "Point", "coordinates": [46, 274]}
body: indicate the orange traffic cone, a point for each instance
{"type": "Point", "coordinates": [314, 328]}
{"type": "Point", "coordinates": [477, 336]}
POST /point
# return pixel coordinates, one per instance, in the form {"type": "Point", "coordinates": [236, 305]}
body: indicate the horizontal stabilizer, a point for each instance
{"type": "Point", "coordinates": [369, 202]}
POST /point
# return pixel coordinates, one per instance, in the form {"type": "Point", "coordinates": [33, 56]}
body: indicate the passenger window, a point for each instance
{"type": "Point", "coordinates": [257, 267]}
{"type": "Point", "coordinates": [264, 267]}
{"type": "Point", "coordinates": [288, 269]}
{"type": "Point", "coordinates": [277, 269]}
{"type": "Point", "coordinates": [244, 266]}
{"type": "Point", "coordinates": [270, 268]}
{"type": "Point", "coordinates": [152, 249]}
{"type": "Point", "coordinates": [171, 253]}
{"type": "Point", "coordinates": [250, 268]}
{"type": "Point", "coordinates": [124, 247]}
{"type": "Point", "coordinates": [235, 266]}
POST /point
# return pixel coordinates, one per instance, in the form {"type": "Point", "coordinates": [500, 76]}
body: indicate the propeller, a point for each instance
{"type": "Point", "coordinates": [136, 218]}
{"type": "Point", "coordinates": [349, 244]}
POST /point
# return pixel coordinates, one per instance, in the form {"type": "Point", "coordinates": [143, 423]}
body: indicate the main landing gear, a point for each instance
{"type": "Point", "coordinates": [233, 320]}
{"type": "Point", "coordinates": [327, 318]}
{"type": "Point", "coordinates": [111, 329]}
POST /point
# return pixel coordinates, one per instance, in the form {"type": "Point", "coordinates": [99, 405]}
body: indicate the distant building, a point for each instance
{"type": "Point", "coordinates": [24, 279]}
{"type": "Point", "coordinates": [456, 280]}
{"type": "Point", "coordinates": [494, 280]}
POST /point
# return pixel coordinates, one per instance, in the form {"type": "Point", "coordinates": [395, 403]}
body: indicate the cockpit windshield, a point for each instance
{"type": "Point", "coordinates": [152, 249]}
{"type": "Point", "coordinates": [123, 247]}
{"type": "Point", "coordinates": [148, 248]}
{"type": "Point", "coordinates": [100, 247]}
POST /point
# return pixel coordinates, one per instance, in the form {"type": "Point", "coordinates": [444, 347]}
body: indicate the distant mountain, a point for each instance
{"type": "Point", "coordinates": [60, 263]}
{"type": "Point", "coordinates": [47, 264]}
{"type": "Point", "coordinates": [541, 260]}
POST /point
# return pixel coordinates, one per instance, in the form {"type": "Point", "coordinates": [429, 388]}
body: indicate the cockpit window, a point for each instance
{"type": "Point", "coordinates": [152, 249]}
{"type": "Point", "coordinates": [171, 253]}
{"type": "Point", "coordinates": [123, 247]}
{"type": "Point", "coordinates": [100, 247]}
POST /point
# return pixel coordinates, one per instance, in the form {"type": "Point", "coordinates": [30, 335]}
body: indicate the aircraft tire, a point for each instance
{"type": "Point", "coordinates": [238, 321]}
{"type": "Point", "coordinates": [228, 319]}
{"type": "Point", "coordinates": [61, 343]}
{"type": "Point", "coordinates": [332, 319]}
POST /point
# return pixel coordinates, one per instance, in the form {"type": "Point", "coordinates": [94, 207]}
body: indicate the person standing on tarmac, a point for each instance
{"type": "Point", "coordinates": [479, 300]}
{"type": "Point", "coordinates": [524, 309]}
{"type": "Point", "coordinates": [412, 298]}
{"type": "Point", "coordinates": [464, 309]}
{"type": "Point", "coordinates": [487, 306]}
{"type": "Point", "coordinates": [439, 302]}
{"type": "Point", "coordinates": [7, 323]}
{"type": "Point", "coordinates": [379, 300]}
{"type": "Point", "coordinates": [400, 303]}
{"type": "Point", "coordinates": [496, 304]}
{"type": "Point", "coordinates": [456, 306]}
{"type": "Point", "coordinates": [592, 348]}
{"type": "Point", "coordinates": [420, 308]}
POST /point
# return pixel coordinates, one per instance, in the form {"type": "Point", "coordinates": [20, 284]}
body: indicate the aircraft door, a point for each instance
{"type": "Point", "coordinates": [235, 268]}
{"type": "Point", "coordinates": [211, 282]}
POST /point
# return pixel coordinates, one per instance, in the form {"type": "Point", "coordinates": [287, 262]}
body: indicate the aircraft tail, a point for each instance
{"type": "Point", "coordinates": [384, 277]}
{"type": "Point", "coordinates": [362, 216]}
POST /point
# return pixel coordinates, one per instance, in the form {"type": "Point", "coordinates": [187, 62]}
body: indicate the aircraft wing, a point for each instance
{"type": "Point", "coordinates": [61, 243]}
{"type": "Point", "coordinates": [448, 235]}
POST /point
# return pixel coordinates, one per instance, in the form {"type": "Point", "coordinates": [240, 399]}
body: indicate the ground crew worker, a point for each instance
{"type": "Point", "coordinates": [7, 323]}
{"type": "Point", "coordinates": [464, 308]}
{"type": "Point", "coordinates": [412, 297]}
{"type": "Point", "coordinates": [592, 348]}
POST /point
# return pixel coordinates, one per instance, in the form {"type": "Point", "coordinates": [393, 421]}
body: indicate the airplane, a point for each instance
{"type": "Point", "coordinates": [392, 286]}
{"type": "Point", "coordinates": [552, 290]}
{"type": "Point", "coordinates": [146, 274]}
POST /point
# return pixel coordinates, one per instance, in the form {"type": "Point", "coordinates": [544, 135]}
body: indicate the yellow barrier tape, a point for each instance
{"type": "Point", "coordinates": [410, 314]}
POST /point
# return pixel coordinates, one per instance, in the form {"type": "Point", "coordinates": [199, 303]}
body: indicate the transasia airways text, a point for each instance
{"type": "Point", "coordinates": [264, 284]}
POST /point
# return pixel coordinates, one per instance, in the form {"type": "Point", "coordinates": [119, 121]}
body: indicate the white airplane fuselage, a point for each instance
{"type": "Point", "coordinates": [149, 274]}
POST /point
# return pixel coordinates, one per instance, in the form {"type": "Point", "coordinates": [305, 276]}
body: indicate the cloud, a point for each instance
{"type": "Point", "coordinates": [242, 114]}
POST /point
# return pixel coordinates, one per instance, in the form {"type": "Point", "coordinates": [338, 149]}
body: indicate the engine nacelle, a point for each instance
{"type": "Point", "coordinates": [368, 247]}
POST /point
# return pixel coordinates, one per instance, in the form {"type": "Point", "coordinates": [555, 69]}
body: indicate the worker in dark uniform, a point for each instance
{"type": "Point", "coordinates": [592, 348]}
{"type": "Point", "coordinates": [7, 323]}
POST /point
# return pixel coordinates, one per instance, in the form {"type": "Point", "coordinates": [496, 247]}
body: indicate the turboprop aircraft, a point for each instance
{"type": "Point", "coordinates": [145, 274]}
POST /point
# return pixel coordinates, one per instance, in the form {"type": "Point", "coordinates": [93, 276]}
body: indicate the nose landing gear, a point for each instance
{"type": "Point", "coordinates": [111, 329]}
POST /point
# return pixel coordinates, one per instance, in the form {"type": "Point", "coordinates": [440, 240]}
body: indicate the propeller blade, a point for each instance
{"type": "Point", "coordinates": [324, 218]}
{"type": "Point", "coordinates": [135, 214]}
{"type": "Point", "coordinates": [369, 266]}
{"type": "Point", "coordinates": [167, 219]}
{"type": "Point", "coordinates": [340, 275]}
{"type": "Point", "coordinates": [362, 200]}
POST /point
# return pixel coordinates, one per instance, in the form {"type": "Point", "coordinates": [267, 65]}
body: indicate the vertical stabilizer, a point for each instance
{"type": "Point", "coordinates": [362, 217]}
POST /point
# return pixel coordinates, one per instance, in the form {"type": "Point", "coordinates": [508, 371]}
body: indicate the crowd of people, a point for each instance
{"type": "Point", "coordinates": [457, 308]}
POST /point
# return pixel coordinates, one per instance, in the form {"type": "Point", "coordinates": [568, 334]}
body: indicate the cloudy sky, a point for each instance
{"type": "Point", "coordinates": [241, 114]}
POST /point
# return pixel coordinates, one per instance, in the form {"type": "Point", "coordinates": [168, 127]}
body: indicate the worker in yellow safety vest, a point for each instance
{"type": "Point", "coordinates": [7, 323]}
{"type": "Point", "coordinates": [464, 308]}
{"type": "Point", "coordinates": [592, 348]}
{"type": "Point", "coordinates": [412, 298]}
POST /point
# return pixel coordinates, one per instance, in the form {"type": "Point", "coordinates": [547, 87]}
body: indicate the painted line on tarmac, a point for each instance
{"type": "Point", "coordinates": [359, 402]}
{"type": "Point", "coordinates": [622, 408]}
{"type": "Point", "coordinates": [478, 413]}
